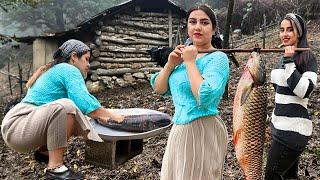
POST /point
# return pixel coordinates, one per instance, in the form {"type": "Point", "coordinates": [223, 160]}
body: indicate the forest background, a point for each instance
{"type": "Point", "coordinates": [36, 17]}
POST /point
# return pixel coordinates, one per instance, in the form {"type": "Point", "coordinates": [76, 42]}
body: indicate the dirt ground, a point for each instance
{"type": "Point", "coordinates": [147, 165]}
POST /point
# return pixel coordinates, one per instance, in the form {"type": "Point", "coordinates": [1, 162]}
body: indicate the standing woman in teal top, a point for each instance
{"type": "Point", "coordinates": [54, 109]}
{"type": "Point", "coordinates": [197, 143]}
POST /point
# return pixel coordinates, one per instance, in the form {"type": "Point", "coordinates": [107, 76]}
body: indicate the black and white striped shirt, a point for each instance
{"type": "Point", "coordinates": [291, 123]}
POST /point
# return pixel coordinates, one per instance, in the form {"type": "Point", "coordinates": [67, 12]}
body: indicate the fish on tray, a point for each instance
{"type": "Point", "coordinates": [139, 123]}
{"type": "Point", "coordinates": [249, 117]}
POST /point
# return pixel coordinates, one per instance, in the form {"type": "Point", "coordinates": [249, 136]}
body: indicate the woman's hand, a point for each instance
{"type": "Point", "coordinates": [117, 117]}
{"type": "Point", "coordinates": [103, 114]}
{"type": "Point", "coordinates": [289, 51]}
{"type": "Point", "coordinates": [288, 54]}
{"type": "Point", "coordinates": [175, 58]}
{"type": "Point", "coordinates": [189, 54]}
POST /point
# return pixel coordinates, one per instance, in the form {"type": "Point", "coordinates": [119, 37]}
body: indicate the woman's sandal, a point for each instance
{"type": "Point", "coordinates": [67, 174]}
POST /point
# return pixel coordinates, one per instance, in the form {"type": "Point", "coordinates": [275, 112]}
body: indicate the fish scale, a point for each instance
{"type": "Point", "coordinates": [249, 118]}
{"type": "Point", "coordinates": [255, 131]}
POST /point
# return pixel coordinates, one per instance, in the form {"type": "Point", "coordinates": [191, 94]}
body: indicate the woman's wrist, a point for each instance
{"type": "Point", "coordinates": [169, 67]}
{"type": "Point", "coordinates": [189, 63]}
{"type": "Point", "coordinates": [287, 60]}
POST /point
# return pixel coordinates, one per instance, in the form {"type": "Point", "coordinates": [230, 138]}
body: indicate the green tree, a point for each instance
{"type": "Point", "coordinates": [6, 4]}
{"type": "Point", "coordinates": [218, 3]}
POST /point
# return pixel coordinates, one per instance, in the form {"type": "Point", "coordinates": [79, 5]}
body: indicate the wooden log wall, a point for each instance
{"type": "Point", "coordinates": [119, 48]}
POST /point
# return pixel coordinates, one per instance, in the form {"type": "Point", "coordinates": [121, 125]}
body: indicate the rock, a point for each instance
{"type": "Point", "coordinates": [129, 78]}
{"type": "Point", "coordinates": [94, 77]}
{"type": "Point", "coordinates": [139, 75]}
{"type": "Point", "coordinates": [94, 87]}
{"type": "Point", "coordinates": [142, 81]}
{"type": "Point", "coordinates": [162, 109]}
{"type": "Point", "coordinates": [121, 82]}
{"type": "Point", "coordinates": [105, 79]}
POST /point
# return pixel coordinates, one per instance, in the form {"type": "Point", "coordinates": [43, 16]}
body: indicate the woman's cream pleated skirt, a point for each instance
{"type": "Point", "coordinates": [26, 127]}
{"type": "Point", "coordinates": [196, 151]}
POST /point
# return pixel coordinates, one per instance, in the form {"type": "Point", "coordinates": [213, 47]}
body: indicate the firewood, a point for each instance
{"type": "Point", "coordinates": [127, 41]}
{"type": "Point", "coordinates": [127, 60]}
{"type": "Point", "coordinates": [95, 53]}
{"type": "Point", "coordinates": [121, 71]}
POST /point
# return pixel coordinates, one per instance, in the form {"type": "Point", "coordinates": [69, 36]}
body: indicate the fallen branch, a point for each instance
{"type": "Point", "coordinates": [11, 75]}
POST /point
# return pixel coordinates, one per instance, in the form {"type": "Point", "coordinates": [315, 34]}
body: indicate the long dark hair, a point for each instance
{"type": "Point", "coordinates": [216, 40]}
{"type": "Point", "coordinates": [301, 58]}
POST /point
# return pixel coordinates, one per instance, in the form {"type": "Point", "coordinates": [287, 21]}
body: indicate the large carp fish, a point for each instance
{"type": "Point", "coordinates": [249, 117]}
{"type": "Point", "coordinates": [139, 123]}
{"type": "Point", "coordinates": [138, 120]}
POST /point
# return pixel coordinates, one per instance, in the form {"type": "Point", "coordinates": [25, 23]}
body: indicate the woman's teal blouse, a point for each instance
{"type": "Point", "coordinates": [214, 68]}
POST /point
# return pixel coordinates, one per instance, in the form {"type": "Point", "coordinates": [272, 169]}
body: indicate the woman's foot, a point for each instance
{"type": "Point", "coordinates": [62, 172]}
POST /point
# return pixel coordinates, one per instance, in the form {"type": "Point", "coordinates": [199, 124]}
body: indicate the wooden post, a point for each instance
{"type": "Point", "coordinates": [29, 71]}
{"type": "Point", "coordinates": [264, 31]}
{"type": "Point", "coordinates": [20, 79]}
{"type": "Point", "coordinates": [9, 77]}
{"type": "Point", "coordinates": [43, 50]}
{"type": "Point", "coordinates": [226, 34]}
{"type": "Point", "coordinates": [170, 27]}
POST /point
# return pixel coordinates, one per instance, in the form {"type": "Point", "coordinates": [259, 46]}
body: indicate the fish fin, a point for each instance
{"type": "Point", "coordinates": [245, 94]}
{"type": "Point", "coordinates": [236, 137]}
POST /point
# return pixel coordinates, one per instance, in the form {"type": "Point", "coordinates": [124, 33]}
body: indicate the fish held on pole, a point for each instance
{"type": "Point", "coordinates": [249, 117]}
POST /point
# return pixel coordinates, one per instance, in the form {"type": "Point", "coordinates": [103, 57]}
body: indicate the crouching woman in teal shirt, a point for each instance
{"type": "Point", "coordinates": [197, 143]}
{"type": "Point", "coordinates": [53, 109]}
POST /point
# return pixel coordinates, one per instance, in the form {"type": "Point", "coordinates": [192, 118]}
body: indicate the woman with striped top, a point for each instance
{"type": "Point", "coordinates": [294, 78]}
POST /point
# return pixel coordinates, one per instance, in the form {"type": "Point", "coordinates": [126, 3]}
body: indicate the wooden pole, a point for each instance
{"type": "Point", "coordinates": [264, 31]}
{"type": "Point", "coordinates": [253, 49]}
{"type": "Point", "coordinates": [170, 27]}
{"type": "Point", "coordinates": [9, 77]}
{"type": "Point", "coordinates": [20, 79]}
{"type": "Point", "coordinates": [226, 32]}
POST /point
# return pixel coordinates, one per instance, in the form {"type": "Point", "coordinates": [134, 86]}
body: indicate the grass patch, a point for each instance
{"type": "Point", "coordinates": [317, 153]}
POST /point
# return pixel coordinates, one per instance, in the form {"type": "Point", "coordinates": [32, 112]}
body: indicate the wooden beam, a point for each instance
{"type": "Point", "coordinates": [120, 71]}
{"type": "Point", "coordinates": [253, 49]}
{"type": "Point", "coordinates": [123, 49]}
{"type": "Point", "coordinates": [128, 41]}
{"type": "Point", "coordinates": [124, 60]}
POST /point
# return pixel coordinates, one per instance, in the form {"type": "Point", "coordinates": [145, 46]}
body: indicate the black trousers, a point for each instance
{"type": "Point", "coordinates": [282, 162]}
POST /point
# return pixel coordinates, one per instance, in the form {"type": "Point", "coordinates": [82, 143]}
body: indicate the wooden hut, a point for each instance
{"type": "Point", "coordinates": [120, 38]}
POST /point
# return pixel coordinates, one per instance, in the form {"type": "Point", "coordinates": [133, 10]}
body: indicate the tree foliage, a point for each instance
{"type": "Point", "coordinates": [251, 12]}
{"type": "Point", "coordinates": [34, 17]}
{"type": "Point", "coordinates": [52, 15]}
{"type": "Point", "coordinates": [7, 4]}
